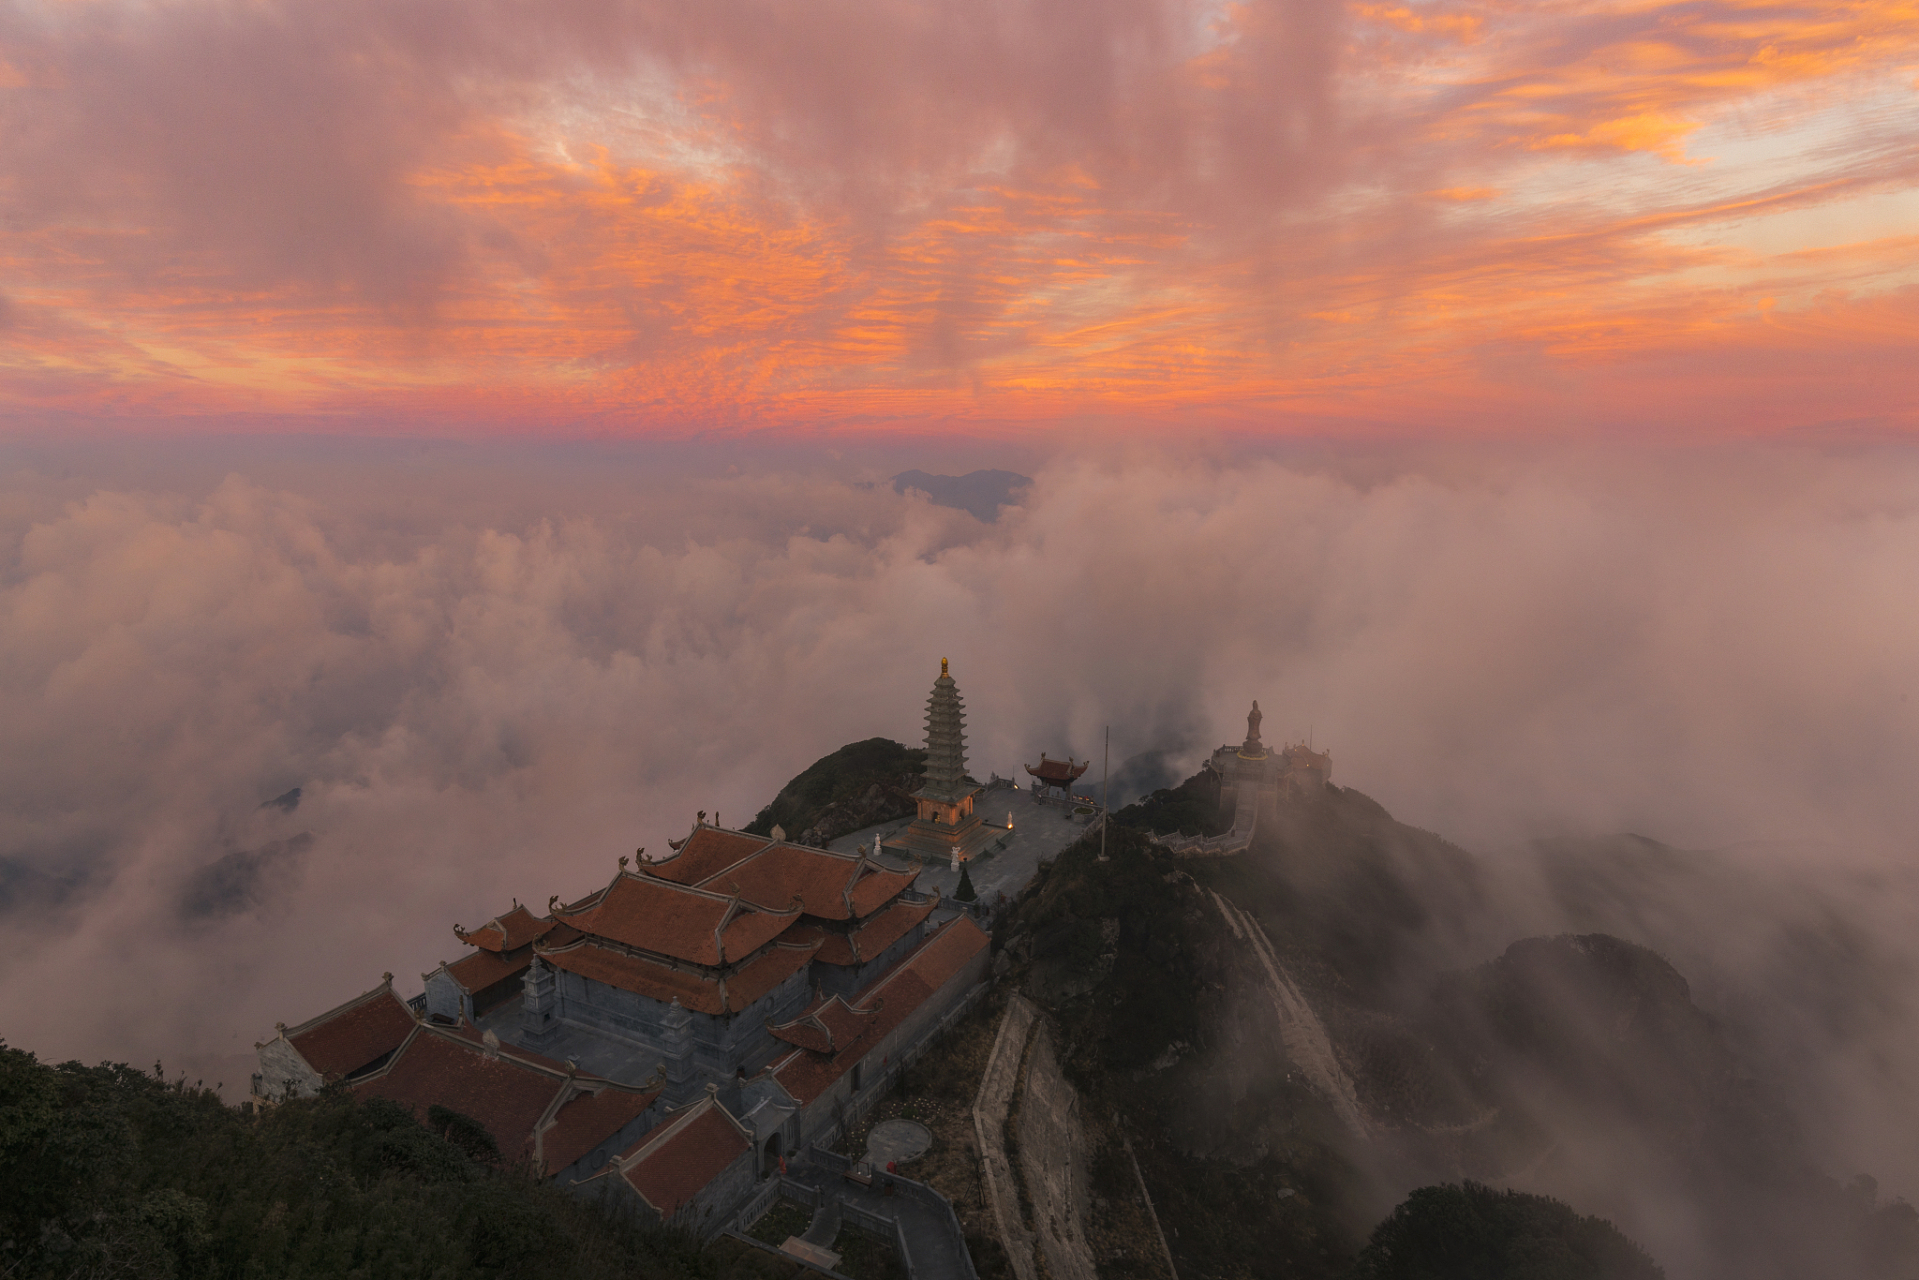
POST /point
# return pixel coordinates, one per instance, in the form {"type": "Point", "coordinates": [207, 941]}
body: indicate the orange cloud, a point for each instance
{"type": "Point", "coordinates": [1277, 224]}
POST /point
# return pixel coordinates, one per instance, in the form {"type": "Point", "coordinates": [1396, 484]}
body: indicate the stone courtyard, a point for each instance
{"type": "Point", "coordinates": [1041, 829]}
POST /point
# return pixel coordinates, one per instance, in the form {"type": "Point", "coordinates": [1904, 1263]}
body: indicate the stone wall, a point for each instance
{"type": "Point", "coordinates": [840, 1105]}
{"type": "Point", "coordinates": [722, 1042]}
{"type": "Point", "coordinates": [1052, 1156]}
{"type": "Point", "coordinates": [446, 998]}
{"type": "Point", "coordinates": [713, 1208]}
{"type": "Point", "coordinates": [283, 1071]}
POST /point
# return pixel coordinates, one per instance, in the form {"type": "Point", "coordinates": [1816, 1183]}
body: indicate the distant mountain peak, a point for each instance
{"type": "Point", "coordinates": [982, 493]}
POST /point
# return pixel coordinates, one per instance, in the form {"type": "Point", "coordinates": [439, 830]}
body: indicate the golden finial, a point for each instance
{"type": "Point", "coordinates": [942, 668]}
{"type": "Point", "coordinates": [622, 862]}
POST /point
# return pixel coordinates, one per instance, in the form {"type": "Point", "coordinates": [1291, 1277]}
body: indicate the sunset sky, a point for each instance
{"type": "Point", "coordinates": [482, 415]}
{"type": "Point", "coordinates": [977, 216]}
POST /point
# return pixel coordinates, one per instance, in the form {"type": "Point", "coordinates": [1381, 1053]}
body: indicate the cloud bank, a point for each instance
{"type": "Point", "coordinates": [619, 218]}
{"type": "Point", "coordinates": [481, 695]}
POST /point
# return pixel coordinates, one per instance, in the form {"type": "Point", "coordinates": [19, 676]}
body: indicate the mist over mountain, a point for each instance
{"type": "Point", "coordinates": [490, 675]}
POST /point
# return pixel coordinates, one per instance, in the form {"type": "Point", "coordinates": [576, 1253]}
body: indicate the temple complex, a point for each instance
{"type": "Point", "coordinates": [1252, 782]}
{"type": "Point", "coordinates": [1056, 774]}
{"type": "Point", "coordinates": [946, 827]}
{"type": "Point", "coordinates": [674, 1036]}
{"type": "Point", "coordinates": [1251, 774]}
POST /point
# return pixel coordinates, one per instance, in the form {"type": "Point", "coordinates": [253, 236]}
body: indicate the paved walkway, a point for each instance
{"type": "Point", "coordinates": [1307, 1043]}
{"type": "Point", "coordinates": [936, 1253]}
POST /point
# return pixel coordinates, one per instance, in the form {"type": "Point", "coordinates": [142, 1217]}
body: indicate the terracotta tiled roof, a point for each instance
{"type": "Point", "coordinates": [586, 1120]}
{"type": "Point", "coordinates": [878, 886]}
{"type": "Point", "coordinates": [644, 977]}
{"type": "Point", "coordinates": [678, 921]}
{"type": "Point", "coordinates": [819, 878]}
{"type": "Point", "coordinates": [827, 1025]}
{"type": "Point", "coordinates": [707, 851]}
{"type": "Point", "coordinates": [935, 963]}
{"type": "Point", "coordinates": [697, 991]}
{"type": "Point", "coordinates": [529, 1103]}
{"type": "Point", "coordinates": [781, 872]}
{"type": "Point", "coordinates": [507, 932]}
{"type": "Point", "coordinates": [503, 1093]}
{"type": "Point", "coordinates": [806, 1074]}
{"type": "Point", "coordinates": [676, 1161]}
{"type": "Point", "coordinates": [1056, 771]}
{"type": "Point", "coordinates": [876, 935]}
{"type": "Point", "coordinates": [354, 1035]}
{"type": "Point", "coordinates": [482, 969]}
{"type": "Point", "coordinates": [754, 980]}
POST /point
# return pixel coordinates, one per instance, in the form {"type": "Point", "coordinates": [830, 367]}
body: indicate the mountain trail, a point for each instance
{"type": "Point", "coordinates": [1307, 1043]}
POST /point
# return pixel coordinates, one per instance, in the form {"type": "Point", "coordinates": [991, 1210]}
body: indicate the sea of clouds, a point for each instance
{"type": "Point", "coordinates": [490, 674]}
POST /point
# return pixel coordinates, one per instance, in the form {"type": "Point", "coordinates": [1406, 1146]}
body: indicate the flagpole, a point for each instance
{"type": "Point", "coordinates": [1105, 797]}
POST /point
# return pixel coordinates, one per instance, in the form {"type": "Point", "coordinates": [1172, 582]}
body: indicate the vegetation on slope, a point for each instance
{"type": "Point", "coordinates": [860, 784]}
{"type": "Point", "coordinates": [108, 1171]}
{"type": "Point", "coordinates": [1128, 957]}
{"type": "Point", "coordinates": [1472, 1232]}
{"type": "Point", "coordinates": [1191, 808]}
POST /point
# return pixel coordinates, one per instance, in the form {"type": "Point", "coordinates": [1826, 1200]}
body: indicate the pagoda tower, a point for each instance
{"type": "Point", "coordinates": [946, 827]}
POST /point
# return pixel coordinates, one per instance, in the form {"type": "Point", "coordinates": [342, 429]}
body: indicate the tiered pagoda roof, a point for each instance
{"type": "Point", "coordinates": [945, 779]}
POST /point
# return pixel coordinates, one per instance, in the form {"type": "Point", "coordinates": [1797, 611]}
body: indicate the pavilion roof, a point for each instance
{"type": "Point", "coordinates": [352, 1036]}
{"type": "Point", "coordinates": [1058, 772]}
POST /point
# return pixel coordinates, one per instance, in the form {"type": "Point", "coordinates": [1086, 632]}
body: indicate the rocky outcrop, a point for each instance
{"type": "Point", "coordinates": [880, 802]}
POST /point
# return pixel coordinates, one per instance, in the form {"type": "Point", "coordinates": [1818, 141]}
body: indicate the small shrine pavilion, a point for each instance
{"type": "Point", "coordinates": [1060, 774]}
{"type": "Point", "coordinates": [946, 827]}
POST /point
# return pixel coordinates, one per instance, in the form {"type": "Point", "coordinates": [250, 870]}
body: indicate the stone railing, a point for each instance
{"type": "Point", "coordinates": [955, 1238]}
{"type": "Point", "coordinates": [760, 1201]}
{"type": "Point", "coordinates": [1219, 846]}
